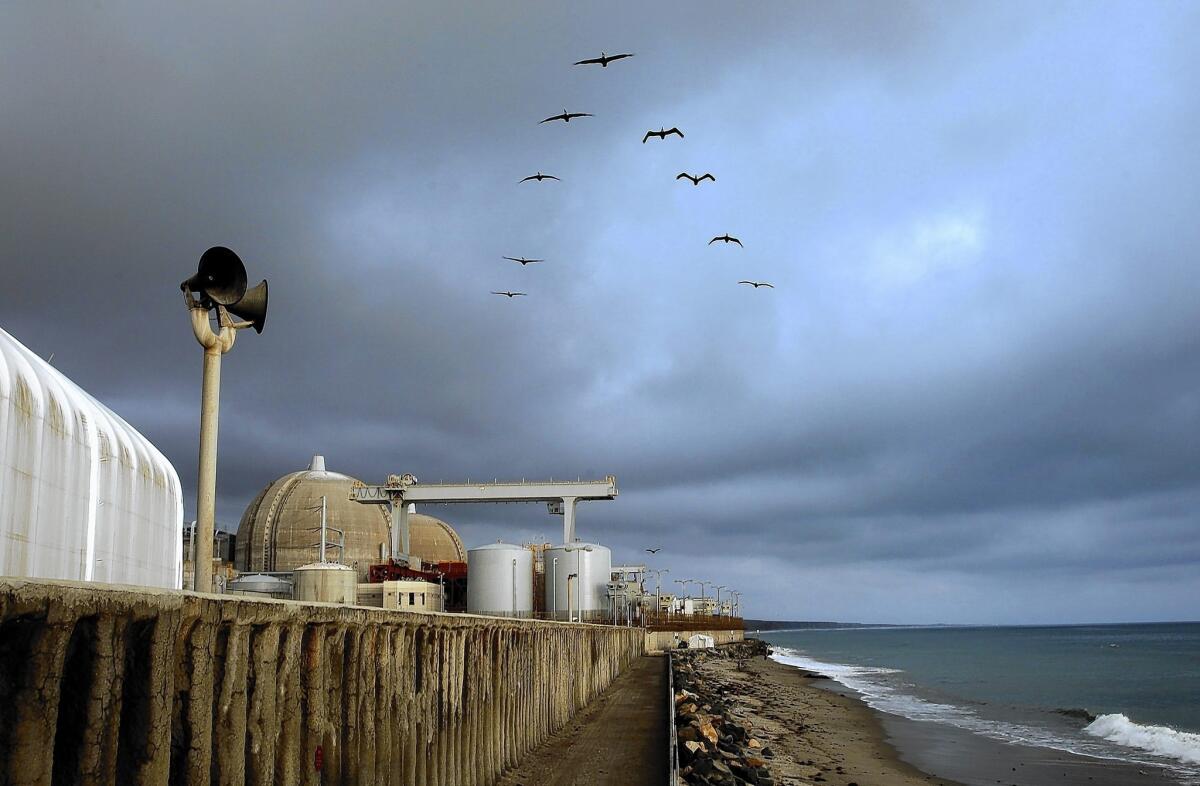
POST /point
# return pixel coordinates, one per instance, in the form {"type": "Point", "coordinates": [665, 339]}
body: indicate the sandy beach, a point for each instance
{"type": "Point", "coordinates": [821, 733]}
{"type": "Point", "coordinates": [817, 736]}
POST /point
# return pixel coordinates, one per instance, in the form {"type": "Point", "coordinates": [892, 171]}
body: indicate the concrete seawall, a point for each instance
{"type": "Point", "coordinates": [102, 684]}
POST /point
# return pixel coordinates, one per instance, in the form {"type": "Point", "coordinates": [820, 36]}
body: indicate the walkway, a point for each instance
{"type": "Point", "coordinates": [621, 739]}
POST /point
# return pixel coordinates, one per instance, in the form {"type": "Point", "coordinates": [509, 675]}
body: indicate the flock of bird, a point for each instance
{"type": "Point", "coordinates": [662, 133]}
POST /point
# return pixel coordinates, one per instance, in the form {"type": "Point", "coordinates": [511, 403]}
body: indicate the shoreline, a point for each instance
{"type": "Point", "coordinates": [817, 736]}
{"type": "Point", "coordinates": [900, 748]}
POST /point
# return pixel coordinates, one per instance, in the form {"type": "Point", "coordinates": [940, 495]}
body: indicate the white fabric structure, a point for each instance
{"type": "Point", "coordinates": [699, 641]}
{"type": "Point", "coordinates": [83, 495]}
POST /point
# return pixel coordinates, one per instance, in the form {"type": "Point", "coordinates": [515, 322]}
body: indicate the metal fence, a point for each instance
{"type": "Point", "coordinates": [673, 738]}
{"type": "Point", "coordinates": [652, 621]}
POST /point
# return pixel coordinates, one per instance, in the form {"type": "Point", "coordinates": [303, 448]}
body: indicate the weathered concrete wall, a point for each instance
{"type": "Point", "coordinates": [659, 640]}
{"type": "Point", "coordinates": [102, 685]}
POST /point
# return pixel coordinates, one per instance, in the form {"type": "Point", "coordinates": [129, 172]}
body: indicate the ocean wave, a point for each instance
{"type": "Point", "coordinates": [882, 690]}
{"type": "Point", "coordinates": [1161, 740]}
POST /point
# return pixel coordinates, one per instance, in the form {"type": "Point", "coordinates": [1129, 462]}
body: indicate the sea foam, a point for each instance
{"type": "Point", "coordinates": [1161, 740]}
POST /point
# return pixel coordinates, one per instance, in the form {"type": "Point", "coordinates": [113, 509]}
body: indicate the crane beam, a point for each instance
{"type": "Point", "coordinates": [402, 490]}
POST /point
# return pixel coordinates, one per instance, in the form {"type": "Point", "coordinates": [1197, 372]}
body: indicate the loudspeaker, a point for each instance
{"type": "Point", "coordinates": [221, 278]}
{"type": "Point", "coordinates": [253, 306]}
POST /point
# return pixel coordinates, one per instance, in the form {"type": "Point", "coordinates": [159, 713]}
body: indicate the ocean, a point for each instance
{"type": "Point", "coordinates": [1122, 692]}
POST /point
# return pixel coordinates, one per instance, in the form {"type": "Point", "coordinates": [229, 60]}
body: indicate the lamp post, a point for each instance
{"type": "Point", "coordinates": [719, 588]}
{"type": "Point", "coordinates": [685, 583]}
{"type": "Point", "coordinates": [219, 285]}
{"type": "Point", "coordinates": [554, 586]}
{"type": "Point", "coordinates": [737, 603]}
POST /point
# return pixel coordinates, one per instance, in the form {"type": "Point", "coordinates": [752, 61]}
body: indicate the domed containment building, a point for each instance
{"type": "Point", "coordinates": [282, 525]}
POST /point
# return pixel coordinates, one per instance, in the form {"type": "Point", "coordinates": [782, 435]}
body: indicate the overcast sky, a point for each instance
{"type": "Point", "coordinates": [973, 395]}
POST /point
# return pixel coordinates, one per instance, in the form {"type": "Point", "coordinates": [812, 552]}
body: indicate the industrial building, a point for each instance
{"type": "Point", "coordinates": [83, 495]}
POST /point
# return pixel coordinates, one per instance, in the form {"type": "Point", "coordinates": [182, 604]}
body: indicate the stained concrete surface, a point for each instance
{"type": "Point", "coordinates": [620, 739]}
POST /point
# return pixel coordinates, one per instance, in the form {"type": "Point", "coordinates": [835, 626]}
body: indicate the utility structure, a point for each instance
{"type": "Point", "coordinates": [325, 529]}
{"type": "Point", "coordinates": [217, 290]}
{"type": "Point", "coordinates": [658, 589]}
{"type": "Point", "coordinates": [402, 490]}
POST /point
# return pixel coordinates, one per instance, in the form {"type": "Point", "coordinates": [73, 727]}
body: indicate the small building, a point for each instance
{"type": "Point", "coordinates": [699, 641]}
{"type": "Point", "coordinates": [402, 595]}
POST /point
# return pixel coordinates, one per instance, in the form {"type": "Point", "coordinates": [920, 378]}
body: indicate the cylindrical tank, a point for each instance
{"type": "Point", "coordinates": [327, 582]}
{"type": "Point", "coordinates": [577, 576]}
{"type": "Point", "coordinates": [259, 585]}
{"type": "Point", "coordinates": [500, 580]}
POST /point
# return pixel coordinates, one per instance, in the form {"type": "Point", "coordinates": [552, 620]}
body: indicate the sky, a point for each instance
{"type": "Point", "coordinates": [973, 395]}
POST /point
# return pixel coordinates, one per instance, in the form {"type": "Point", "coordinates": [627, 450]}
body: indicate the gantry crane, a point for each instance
{"type": "Point", "coordinates": [402, 490]}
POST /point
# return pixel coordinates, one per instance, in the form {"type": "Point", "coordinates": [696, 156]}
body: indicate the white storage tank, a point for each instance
{"type": "Point", "coordinates": [500, 580]}
{"type": "Point", "coordinates": [326, 582]}
{"type": "Point", "coordinates": [257, 585]}
{"type": "Point", "coordinates": [83, 495]}
{"type": "Point", "coordinates": [577, 576]}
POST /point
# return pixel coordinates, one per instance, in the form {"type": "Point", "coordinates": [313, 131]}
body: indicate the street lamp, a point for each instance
{"type": "Point", "coordinates": [719, 588]}
{"type": "Point", "coordinates": [684, 582]}
{"type": "Point", "coordinates": [737, 603]}
{"type": "Point", "coordinates": [219, 286]}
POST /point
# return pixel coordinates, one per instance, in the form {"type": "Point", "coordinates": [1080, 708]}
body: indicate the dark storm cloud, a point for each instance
{"type": "Point", "coordinates": [973, 396]}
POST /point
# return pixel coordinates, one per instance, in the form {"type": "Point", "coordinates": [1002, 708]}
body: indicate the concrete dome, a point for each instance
{"type": "Point", "coordinates": [433, 540]}
{"type": "Point", "coordinates": [281, 525]}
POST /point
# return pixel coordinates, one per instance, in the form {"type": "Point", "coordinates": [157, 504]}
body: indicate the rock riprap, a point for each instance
{"type": "Point", "coordinates": [714, 748]}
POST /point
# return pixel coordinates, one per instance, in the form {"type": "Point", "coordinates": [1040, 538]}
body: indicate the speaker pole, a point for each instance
{"type": "Point", "coordinates": [219, 284]}
{"type": "Point", "coordinates": [215, 345]}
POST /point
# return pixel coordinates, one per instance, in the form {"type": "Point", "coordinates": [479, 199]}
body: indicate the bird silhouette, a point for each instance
{"type": "Point", "coordinates": [662, 133]}
{"type": "Point", "coordinates": [604, 59]}
{"type": "Point", "coordinates": [757, 284]}
{"type": "Point", "coordinates": [539, 177]}
{"type": "Point", "coordinates": [727, 239]}
{"type": "Point", "coordinates": [510, 295]}
{"type": "Point", "coordinates": [524, 261]}
{"type": "Point", "coordinates": [654, 551]}
{"type": "Point", "coordinates": [695, 180]}
{"type": "Point", "coordinates": [565, 116]}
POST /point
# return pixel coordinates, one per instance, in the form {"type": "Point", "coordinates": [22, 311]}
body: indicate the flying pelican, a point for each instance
{"type": "Point", "coordinates": [565, 116]}
{"type": "Point", "coordinates": [695, 180]}
{"type": "Point", "coordinates": [654, 551]}
{"type": "Point", "coordinates": [604, 59]}
{"type": "Point", "coordinates": [757, 284]}
{"type": "Point", "coordinates": [539, 177]}
{"type": "Point", "coordinates": [662, 133]}
{"type": "Point", "coordinates": [524, 261]}
{"type": "Point", "coordinates": [727, 239]}
{"type": "Point", "coordinates": [510, 295]}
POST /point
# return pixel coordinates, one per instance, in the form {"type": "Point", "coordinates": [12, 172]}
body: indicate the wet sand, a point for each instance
{"type": "Point", "coordinates": [821, 733]}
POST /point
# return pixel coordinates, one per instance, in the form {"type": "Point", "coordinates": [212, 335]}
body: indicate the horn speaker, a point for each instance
{"type": "Point", "coordinates": [253, 306]}
{"type": "Point", "coordinates": [221, 279]}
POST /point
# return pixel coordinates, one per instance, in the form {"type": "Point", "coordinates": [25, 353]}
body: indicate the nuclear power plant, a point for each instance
{"type": "Point", "coordinates": [311, 531]}
{"type": "Point", "coordinates": [135, 649]}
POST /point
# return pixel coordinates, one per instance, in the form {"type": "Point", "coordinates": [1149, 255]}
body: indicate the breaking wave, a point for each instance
{"type": "Point", "coordinates": [885, 690]}
{"type": "Point", "coordinates": [1160, 740]}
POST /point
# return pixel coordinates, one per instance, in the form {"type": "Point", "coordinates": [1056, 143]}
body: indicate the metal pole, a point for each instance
{"type": "Point", "coordinates": [322, 528]}
{"type": "Point", "coordinates": [554, 586]}
{"type": "Point", "coordinates": [206, 491]}
{"type": "Point", "coordinates": [514, 587]}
